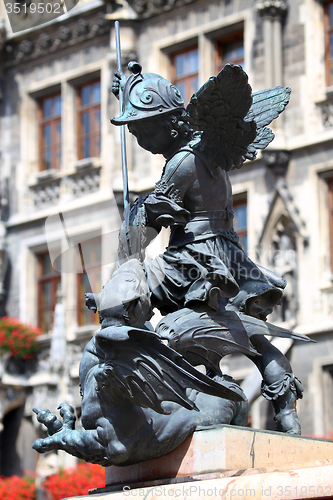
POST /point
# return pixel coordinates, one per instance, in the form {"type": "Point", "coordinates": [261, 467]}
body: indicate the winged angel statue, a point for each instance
{"type": "Point", "coordinates": [142, 395]}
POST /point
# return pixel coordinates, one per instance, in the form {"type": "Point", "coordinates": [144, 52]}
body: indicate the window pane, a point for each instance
{"type": "Point", "coordinates": [180, 65]}
{"type": "Point", "coordinates": [193, 61]}
{"type": "Point", "coordinates": [240, 50]}
{"type": "Point", "coordinates": [50, 133]}
{"type": "Point", "coordinates": [46, 264]}
{"type": "Point", "coordinates": [230, 50]}
{"type": "Point", "coordinates": [96, 119]}
{"type": "Point", "coordinates": [47, 107]}
{"type": "Point", "coordinates": [186, 72]}
{"type": "Point", "coordinates": [58, 133]}
{"type": "Point", "coordinates": [241, 216]}
{"type": "Point", "coordinates": [97, 143]}
{"type": "Point", "coordinates": [47, 159]}
{"type": "Point", "coordinates": [85, 95]}
{"type": "Point", "coordinates": [89, 281]}
{"type": "Point", "coordinates": [46, 135]}
{"type": "Point", "coordinates": [90, 120]}
{"type": "Point", "coordinates": [96, 92]}
{"type": "Point", "coordinates": [182, 88]}
{"type": "Point", "coordinates": [45, 321]}
{"type": "Point", "coordinates": [57, 157]}
{"type": "Point", "coordinates": [86, 148]}
{"type": "Point", "coordinates": [47, 285]}
{"type": "Point", "coordinates": [194, 83]}
{"type": "Point", "coordinates": [243, 242]}
{"type": "Point", "coordinates": [46, 294]}
{"type": "Point", "coordinates": [85, 123]}
{"type": "Point", "coordinates": [330, 14]}
{"type": "Point", "coordinates": [57, 105]}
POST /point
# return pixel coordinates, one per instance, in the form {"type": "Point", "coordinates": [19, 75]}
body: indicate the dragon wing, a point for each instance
{"type": "Point", "coordinates": [140, 368]}
{"type": "Point", "coordinates": [205, 338]}
{"type": "Point", "coordinates": [231, 119]}
{"type": "Point", "coordinates": [218, 110]}
{"type": "Point", "coordinates": [266, 106]}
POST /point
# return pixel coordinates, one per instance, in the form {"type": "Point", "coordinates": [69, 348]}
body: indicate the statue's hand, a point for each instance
{"type": "Point", "coordinates": [118, 83]}
{"type": "Point", "coordinates": [91, 301]}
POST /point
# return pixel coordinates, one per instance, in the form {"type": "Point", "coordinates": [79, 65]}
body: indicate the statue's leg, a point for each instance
{"type": "Point", "coordinates": [279, 384]}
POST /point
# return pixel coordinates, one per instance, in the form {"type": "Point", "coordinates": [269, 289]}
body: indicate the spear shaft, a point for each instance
{"type": "Point", "coordinates": [122, 133]}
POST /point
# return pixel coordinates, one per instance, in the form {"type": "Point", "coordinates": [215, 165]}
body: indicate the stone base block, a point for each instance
{"type": "Point", "coordinates": [227, 463]}
{"type": "Point", "coordinates": [225, 448]}
{"type": "Point", "coordinates": [294, 484]}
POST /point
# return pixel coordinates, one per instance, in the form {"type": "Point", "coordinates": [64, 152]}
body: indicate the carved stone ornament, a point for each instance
{"type": "Point", "coordinates": [148, 8]}
{"type": "Point", "coordinates": [83, 27]}
{"type": "Point", "coordinates": [277, 160]}
{"type": "Point", "coordinates": [44, 41]}
{"type": "Point", "coordinates": [272, 7]}
{"type": "Point", "coordinates": [85, 182]}
{"type": "Point", "coordinates": [26, 46]}
{"type": "Point", "coordinates": [326, 108]}
{"type": "Point", "coordinates": [65, 35]}
{"type": "Point", "coordinates": [46, 194]}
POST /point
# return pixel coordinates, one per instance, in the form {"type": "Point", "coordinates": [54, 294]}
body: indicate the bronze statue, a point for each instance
{"type": "Point", "coordinates": [204, 266]}
{"type": "Point", "coordinates": [214, 299]}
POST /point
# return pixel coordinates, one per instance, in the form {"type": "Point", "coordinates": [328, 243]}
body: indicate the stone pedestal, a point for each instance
{"type": "Point", "coordinates": [228, 462]}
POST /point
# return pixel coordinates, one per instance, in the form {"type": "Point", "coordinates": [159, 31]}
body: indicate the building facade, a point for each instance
{"type": "Point", "coordinates": [61, 181]}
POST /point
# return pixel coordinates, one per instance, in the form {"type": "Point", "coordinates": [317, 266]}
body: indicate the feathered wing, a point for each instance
{"type": "Point", "coordinates": [218, 110]}
{"type": "Point", "coordinates": [140, 368]}
{"type": "Point", "coordinates": [266, 106]}
{"type": "Point", "coordinates": [231, 119]}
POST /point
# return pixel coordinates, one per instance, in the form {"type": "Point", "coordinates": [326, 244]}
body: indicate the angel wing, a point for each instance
{"type": "Point", "coordinates": [231, 119]}
{"type": "Point", "coordinates": [266, 106]}
{"type": "Point", "coordinates": [140, 368]}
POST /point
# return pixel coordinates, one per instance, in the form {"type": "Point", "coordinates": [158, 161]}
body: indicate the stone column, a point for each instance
{"type": "Point", "coordinates": [273, 12]}
{"type": "Point", "coordinates": [206, 56]}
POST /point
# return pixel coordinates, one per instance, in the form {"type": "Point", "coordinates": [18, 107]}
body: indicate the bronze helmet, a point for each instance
{"type": "Point", "coordinates": [147, 95]}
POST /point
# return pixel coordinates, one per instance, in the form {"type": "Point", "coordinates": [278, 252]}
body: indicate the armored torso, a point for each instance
{"type": "Point", "coordinates": [207, 198]}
